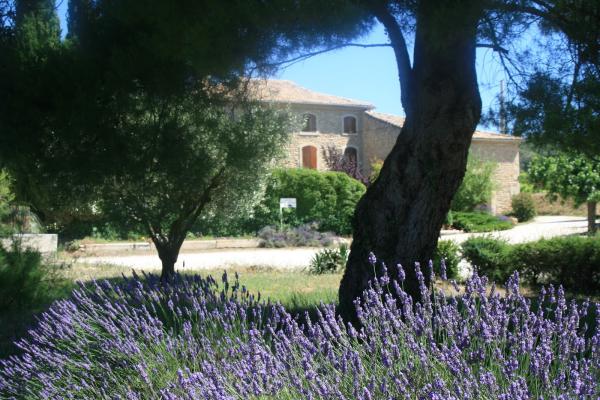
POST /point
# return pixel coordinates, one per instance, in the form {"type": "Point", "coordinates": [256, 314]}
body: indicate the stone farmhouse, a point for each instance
{"type": "Point", "coordinates": [354, 128]}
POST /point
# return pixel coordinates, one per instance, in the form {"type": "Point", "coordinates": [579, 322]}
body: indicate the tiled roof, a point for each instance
{"type": "Point", "coordinates": [478, 135]}
{"type": "Point", "coordinates": [282, 91]}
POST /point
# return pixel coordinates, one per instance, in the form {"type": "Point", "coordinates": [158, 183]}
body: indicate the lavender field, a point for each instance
{"type": "Point", "coordinates": [202, 338]}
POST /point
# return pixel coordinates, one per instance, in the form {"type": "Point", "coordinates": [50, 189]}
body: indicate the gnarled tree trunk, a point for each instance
{"type": "Point", "coordinates": [400, 216]}
{"type": "Point", "coordinates": [168, 252]}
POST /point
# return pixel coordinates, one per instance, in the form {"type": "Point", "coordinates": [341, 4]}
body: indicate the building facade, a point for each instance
{"type": "Point", "coordinates": [357, 131]}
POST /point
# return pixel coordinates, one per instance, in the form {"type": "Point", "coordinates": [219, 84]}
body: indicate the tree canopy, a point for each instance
{"type": "Point", "coordinates": [570, 176]}
{"type": "Point", "coordinates": [119, 50]}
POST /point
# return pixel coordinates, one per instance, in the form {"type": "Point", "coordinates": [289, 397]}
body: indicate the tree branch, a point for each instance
{"type": "Point", "coordinates": [576, 69]}
{"type": "Point", "coordinates": [504, 60]}
{"type": "Point", "coordinates": [405, 71]}
{"type": "Point", "coordinates": [493, 46]}
{"type": "Point", "coordinates": [306, 56]}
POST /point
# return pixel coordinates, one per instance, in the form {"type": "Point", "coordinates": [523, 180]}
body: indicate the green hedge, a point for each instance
{"type": "Point", "coordinates": [490, 256]}
{"type": "Point", "coordinates": [328, 198]}
{"type": "Point", "coordinates": [479, 222]}
{"type": "Point", "coordinates": [573, 262]}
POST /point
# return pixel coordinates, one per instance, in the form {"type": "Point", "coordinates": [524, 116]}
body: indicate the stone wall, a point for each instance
{"type": "Point", "coordinates": [379, 137]}
{"type": "Point", "coordinates": [329, 132]}
{"type": "Point", "coordinates": [505, 154]}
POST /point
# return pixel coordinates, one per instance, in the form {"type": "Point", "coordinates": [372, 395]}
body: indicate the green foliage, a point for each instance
{"type": "Point", "coordinates": [567, 175]}
{"type": "Point", "coordinates": [490, 256]}
{"type": "Point", "coordinates": [479, 222]}
{"type": "Point", "coordinates": [328, 261]}
{"type": "Point", "coordinates": [448, 251]}
{"type": "Point", "coordinates": [476, 187]}
{"type": "Point", "coordinates": [6, 198]}
{"type": "Point", "coordinates": [523, 206]}
{"type": "Point", "coordinates": [569, 261]}
{"type": "Point", "coordinates": [327, 198]}
{"type": "Point", "coordinates": [26, 281]}
{"type": "Point", "coordinates": [551, 112]}
{"type": "Point", "coordinates": [375, 170]}
{"type": "Point", "coordinates": [525, 184]}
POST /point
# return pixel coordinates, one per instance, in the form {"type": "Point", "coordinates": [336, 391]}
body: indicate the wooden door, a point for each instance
{"type": "Point", "coordinates": [309, 157]}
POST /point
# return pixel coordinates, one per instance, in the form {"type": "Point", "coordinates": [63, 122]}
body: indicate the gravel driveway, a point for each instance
{"type": "Point", "coordinates": [298, 258]}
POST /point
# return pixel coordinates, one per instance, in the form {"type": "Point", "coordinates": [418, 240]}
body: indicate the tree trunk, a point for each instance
{"type": "Point", "coordinates": [168, 252]}
{"type": "Point", "coordinates": [400, 216]}
{"type": "Point", "coordinates": [591, 215]}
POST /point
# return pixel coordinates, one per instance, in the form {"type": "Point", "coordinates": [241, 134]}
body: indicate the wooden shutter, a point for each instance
{"type": "Point", "coordinates": [309, 157]}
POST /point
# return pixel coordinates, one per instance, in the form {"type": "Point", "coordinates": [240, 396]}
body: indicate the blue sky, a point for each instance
{"type": "Point", "coordinates": [367, 74]}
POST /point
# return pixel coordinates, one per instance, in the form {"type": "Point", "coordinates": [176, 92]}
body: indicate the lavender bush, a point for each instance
{"type": "Point", "coordinates": [195, 338]}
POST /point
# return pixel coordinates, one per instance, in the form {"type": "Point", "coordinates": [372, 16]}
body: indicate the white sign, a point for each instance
{"type": "Point", "coordinates": [287, 202]}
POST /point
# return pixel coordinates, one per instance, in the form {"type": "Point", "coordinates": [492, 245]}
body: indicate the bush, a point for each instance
{"type": "Point", "coordinates": [448, 251]}
{"type": "Point", "coordinates": [479, 222]}
{"type": "Point", "coordinates": [523, 206]}
{"type": "Point", "coordinates": [327, 198]}
{"type": "Point", "coordinates": [26, 282]}
{"type": "Point", "coordinates": [476, 187]}
{"type": "Point", "coordinates": [490, 257]}
{"type": "Point", "coordinates": [329, 260]}
{"type": "Point", "coordinates": [191, 338]}
{"type": "Point", "coordinates": [375, 170]}
{"type": "Point", "coordinates": [573, 262]}
{"type": "Point", "coordinates": [303, 236]}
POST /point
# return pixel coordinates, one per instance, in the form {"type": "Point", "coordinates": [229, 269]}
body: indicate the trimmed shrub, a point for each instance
{"type": "Point", "coordinates": [329, 261]}
{"type": "Point", "coordinates": [523, 206]}
{"type": "Point", "coordinates": [490, 256]}
{"type": "Point", "coordinates": [302, 236]}
{"type": "Point", "coordinates": [479, 222]}
{"type": "Point", "coordinates": [327, 198]}
{"type": "Point", "coordinates": [573, 262]}
{"type": "Point", "coordinates": [448, 251]}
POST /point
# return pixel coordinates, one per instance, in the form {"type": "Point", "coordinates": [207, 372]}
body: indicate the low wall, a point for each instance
{"type": "Point", "coordinates": [187, 245]}
{"type": "Point", "coordinates": [46, 244]}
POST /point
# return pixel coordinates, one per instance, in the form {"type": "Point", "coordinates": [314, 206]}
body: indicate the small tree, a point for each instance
{"type": "Point", "coordinates": [476, 187]}
{"type": "Point", "coordinates": [569, 175]}
{"type": "Point", "coordinates": [339, 162]}
{"type": "Point", "coordinates": [176, 158]}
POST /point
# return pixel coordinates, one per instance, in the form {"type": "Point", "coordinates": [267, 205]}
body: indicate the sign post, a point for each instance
{"type": "Point", "coordinates": [285, 202]}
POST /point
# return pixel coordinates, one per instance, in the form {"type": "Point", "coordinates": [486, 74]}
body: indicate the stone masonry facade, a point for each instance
{"type": "Point", "coordinates": [376, 134]}
{"type": "Point", "coordinates": [382, 130]}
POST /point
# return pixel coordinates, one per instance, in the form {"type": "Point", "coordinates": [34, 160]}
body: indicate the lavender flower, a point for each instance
{"type": "Point", "coordinates": [196, 338]}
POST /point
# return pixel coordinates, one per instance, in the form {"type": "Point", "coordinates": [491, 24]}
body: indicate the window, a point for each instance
{"type": "Point", "coordinates": [309, 157]}
{"type": "Point", "coordinates": [310, 123]}
{"type": "Point", "coordinates": [349, 124]}
{"type": "Point", "coordinates": [351, 155]}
